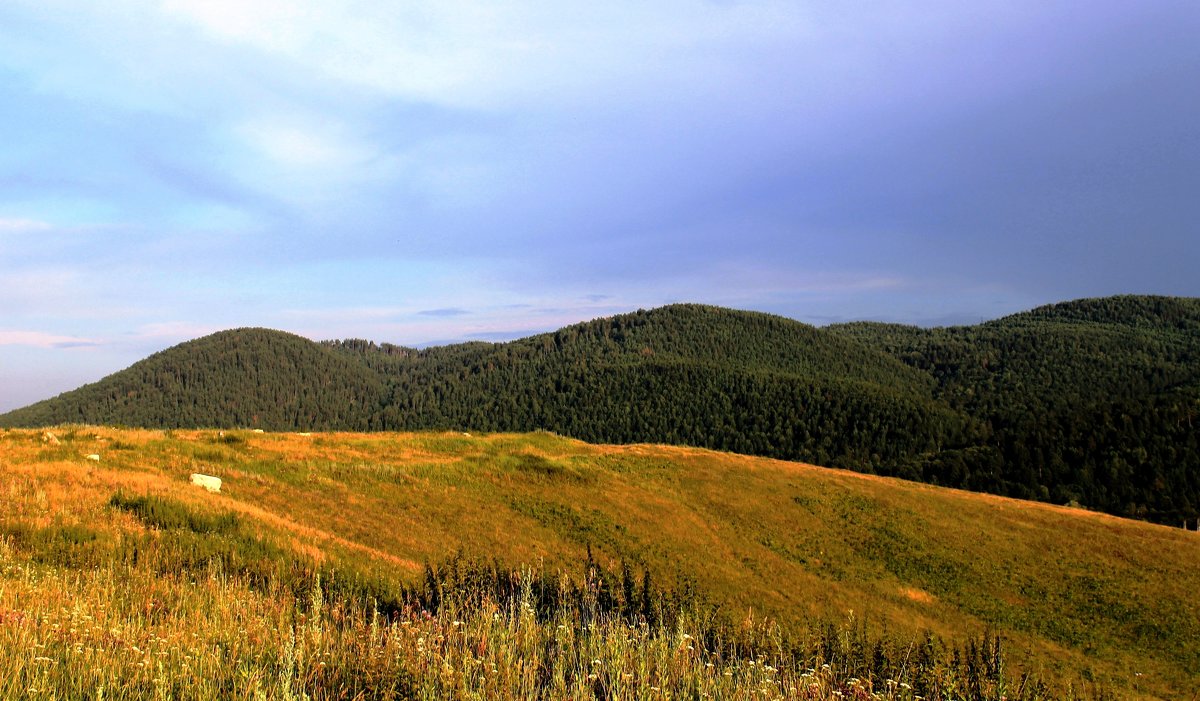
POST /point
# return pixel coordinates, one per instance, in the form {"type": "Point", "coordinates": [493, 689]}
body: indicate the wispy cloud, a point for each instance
{"type": "Point", "coordinates": [40, 339]}
{"type": "Point", "coordinates": [303, 145]}
{"type": "Point", "coordinates": [444, 312]}
{"type": "Point", "coordinates": [465, 53]}
{"type": "Point", "coordinates": [354, 169]}
{"type": "Point", "coordinates": [23, 226]}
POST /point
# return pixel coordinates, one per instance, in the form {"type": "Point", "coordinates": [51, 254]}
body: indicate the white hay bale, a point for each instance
{"type": "Point", "coordinates": [212, 484]}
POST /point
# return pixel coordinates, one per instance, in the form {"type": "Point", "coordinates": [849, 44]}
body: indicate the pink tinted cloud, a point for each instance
{"type": "Point", "coordinates": [40, 339]}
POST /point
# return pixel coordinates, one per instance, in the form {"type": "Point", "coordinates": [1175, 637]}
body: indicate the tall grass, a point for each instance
{"type": "Point", "coordinates": [97, 624]}
{"type": "Point", "coordinates": [327, 533]}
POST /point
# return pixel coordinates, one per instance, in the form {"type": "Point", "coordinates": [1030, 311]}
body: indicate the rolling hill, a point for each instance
{"type": "Point", "coordinates": [1090, 402]}
{"type": "Point", "coordinates": [117, 572]}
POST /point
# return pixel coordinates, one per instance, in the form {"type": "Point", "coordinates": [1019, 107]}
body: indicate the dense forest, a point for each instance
{"type": "Point", "coordinates": [1093, 402]}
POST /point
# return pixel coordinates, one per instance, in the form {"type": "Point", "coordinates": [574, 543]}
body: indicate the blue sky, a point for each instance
{"type": "Point", "coordinates": [424, 172]}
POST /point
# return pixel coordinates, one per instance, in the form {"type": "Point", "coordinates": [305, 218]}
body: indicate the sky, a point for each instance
{"type": "Point", "coordinates": [427, 172]}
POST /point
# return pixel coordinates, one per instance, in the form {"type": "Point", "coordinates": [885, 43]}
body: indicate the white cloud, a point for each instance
{"type": "Point", "coordinates": [466, 53]}
{"type": "Point", "coordinates": [297, 145]}
{"type": "Point", "coordinates": [23, 226]}
{"type": "Point", "coordinates": [40, 339]}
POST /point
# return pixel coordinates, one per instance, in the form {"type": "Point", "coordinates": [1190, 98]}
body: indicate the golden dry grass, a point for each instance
{"type": "Point", "coordinates": [1079, 595]}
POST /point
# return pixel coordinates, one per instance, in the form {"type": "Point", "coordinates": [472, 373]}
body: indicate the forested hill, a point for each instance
{"type": "Point", "coordinates": [685, 374]}
{"type": "Point", "coordinates": [243, 377]}
{"type": "Point", "coordinates": [1092, 401]}
{"type": "Point", "coordinates": [1095, 401]}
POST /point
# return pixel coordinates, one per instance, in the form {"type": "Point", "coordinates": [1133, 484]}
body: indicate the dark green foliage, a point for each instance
{"type": "Point", "coordinates": [68, 545]}
{"type": "Point", "coordinates": [1095, 402]}
{"type": "Point", "coordinates": [245, 377]}
{"type": "Point", "coordinates": [167, 514]}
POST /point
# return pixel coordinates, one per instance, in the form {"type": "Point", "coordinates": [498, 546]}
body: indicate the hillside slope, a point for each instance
{"type": "Point", "coordinates": [1091, 402]}
{"type": "Point", "coordinates": [1076, 595]}
{"type": "Point", "coordinates": [242, 377]}
{"type": "Point", "coordinates": [683, 374]}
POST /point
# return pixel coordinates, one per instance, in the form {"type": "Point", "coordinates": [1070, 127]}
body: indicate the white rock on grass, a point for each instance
{"type": "Point", "coordinates": [93, 456]}
{"type": "Point", "coordinates": [212, 484]}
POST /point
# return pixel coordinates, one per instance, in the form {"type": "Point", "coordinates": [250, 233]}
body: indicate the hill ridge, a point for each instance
{"type": "Point", "coordinates": [1086, 401]}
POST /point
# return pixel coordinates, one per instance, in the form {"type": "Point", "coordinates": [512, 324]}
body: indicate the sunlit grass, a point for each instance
{"type": "Point", "coordinates": [1079, 598]}
{"type": "Point", "coordinates": [120, 631]}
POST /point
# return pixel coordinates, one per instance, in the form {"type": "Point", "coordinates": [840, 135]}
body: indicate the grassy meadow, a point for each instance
{"type": "Point", "coordinates": [445, 565]}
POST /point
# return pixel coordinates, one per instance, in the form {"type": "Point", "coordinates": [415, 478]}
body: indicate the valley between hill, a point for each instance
{"type": "Point", "coordinates": [1080, 598]}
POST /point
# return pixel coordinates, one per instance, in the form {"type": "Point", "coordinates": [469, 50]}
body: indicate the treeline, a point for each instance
{"type": "Point", "coordinates": [843, 423]}
{"type": "Point", "coordinates": [1091, 402]}
{"type": "Point", "coordinates": [1094, 402]}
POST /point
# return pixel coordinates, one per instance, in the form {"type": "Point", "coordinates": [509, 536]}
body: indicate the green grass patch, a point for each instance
{"type": "Point", "coordinates": [582, 525]}
{"type": "Point", "coordinates": [167, 514]}
{"type": "Point", "coordinates": [65, 545]}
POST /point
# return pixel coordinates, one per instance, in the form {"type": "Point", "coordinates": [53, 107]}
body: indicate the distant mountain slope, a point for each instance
{"type": "Point", "coordinates": [1143, 311]}
{"type": "Point", "coordinates": [243, 377]}
{"type": "Point", "coordinates": [1091, 401]}
{"type": "Point", "coordinates": [689, 333]}
{"type": "Point", "coordinates": [689, 374]}
{"type": "Point", "coordinates": [1095, 401]}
